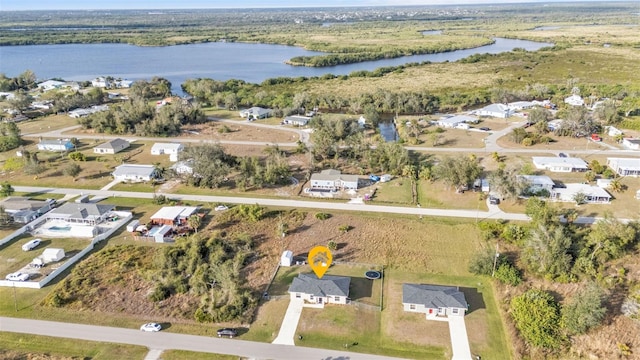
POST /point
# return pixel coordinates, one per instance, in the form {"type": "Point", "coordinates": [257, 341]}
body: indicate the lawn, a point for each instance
{"type": "Point", "coordinates": [190, 355]}
{"type": "Point", "coordinates": [46, 123]}
{"type": "Point", "coordinates": [267, 321]}
{"type": "Point", "coordinates": [396, 191]}
{"type": "Point", "coordinates": [28, 346]}
{"type": "Point", "coordinates": [440, 196]}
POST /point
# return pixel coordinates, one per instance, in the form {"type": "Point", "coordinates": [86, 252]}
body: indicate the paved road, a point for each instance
{"type": "Point", "coordinates": [493, 213]}
{"type": "Point", "coordinates": [166, 340]}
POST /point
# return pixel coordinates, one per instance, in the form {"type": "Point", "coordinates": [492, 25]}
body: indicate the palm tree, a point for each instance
{"type": "Point", "coordinates": [194, 222]}
{"type": "Point", "coordinates": [616, 185]}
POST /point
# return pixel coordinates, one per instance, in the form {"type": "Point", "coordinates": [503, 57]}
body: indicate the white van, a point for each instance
{"type": "Point", "coordinates": [31, 245]}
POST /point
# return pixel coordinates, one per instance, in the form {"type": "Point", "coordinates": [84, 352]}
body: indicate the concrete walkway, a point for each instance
{"type": "Point", "coordinates": [289, 323]}
{"type": "Point", "coordinates": [110, 185]}
{"type": "Point", "coordinates": [459, 339]}
{"type": "Point", "coordinates": [153, 354]}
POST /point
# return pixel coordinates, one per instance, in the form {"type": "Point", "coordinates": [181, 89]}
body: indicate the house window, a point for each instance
{"type": "Point", "coordinates": [337, 298]}
{"type": "Point", "coordinates": [412, 306]}
{"type": "Point", "coordinates": [310, 297]}
{"type": "Point", "coordinates": [298, 295]}
{"type": "Point", "coordinates": [455, 311]}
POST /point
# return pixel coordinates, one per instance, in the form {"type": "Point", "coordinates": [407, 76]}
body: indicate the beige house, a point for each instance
{"type": "Point", "coordinates": [434, 300]}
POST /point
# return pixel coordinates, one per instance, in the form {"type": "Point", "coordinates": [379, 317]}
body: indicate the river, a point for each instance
{"type": "Point", "coordinates": [221, 61]}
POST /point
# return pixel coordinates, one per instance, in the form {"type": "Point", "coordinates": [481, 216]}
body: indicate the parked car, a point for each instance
{"type": "Point", "coordinates": [484, 128]}
{"type": "Point", "coordinates": [494, 200]}
{"type": "Point", "coordinates": [563, 155]}
{"type": "Point", "coordinates": [374, 177]}
{"type": "Point", "coordinates": [221, 208]}
{"type": "Point", "coordinates": [227, 332]}
{"type": "Point", "coordinates": [31, 245]}
{"type": "Point", "coordinates": [17, 276]}
{"type": "Point", "coordinates": [151, 327]}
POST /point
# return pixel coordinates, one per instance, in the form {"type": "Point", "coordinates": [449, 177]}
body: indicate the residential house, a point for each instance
{"type": "Point", "coordinates": [495, 110]}
{"type": "Point", "coordinates": [456, 121]}
{"type": "Point", "coordinates": [51, 85]}
{"type": "Point", "coordinates": [100, 82]}
{"type": "Point", "coordinates": [631, 143]}
{"type": "Point", "coordinates": [110, 83]}
{"type": "Point", "coordinates": [625, 166]}
{"type": "Point", "coordinates": [574, 100]}
{"type": "Point", "coordinates": [538, 183]}
{"type": "Point", "coordinates": [560, 164]}
{"type": "Point", "coordinates": [173, 215]}
{"type": "Point", "coordinates": [333, 180]}
{"type": "Point", "coordinates": [135, 173]}
{"type": "Point", "coordinates": [255, 113]}
{"type": "Point", "coordinates": [111, 146]}
{"type": "Point", "coordinates": [613, 131]}
{"type": "Point", "coordinates": [520, 105]}
{"type": "Point", "coordinates": [55, 145]}
{"type": "Point", "coordinates": [434, 300]}
{"type": "Point", "coordinates": [593, 194]}
{"type": "Point", "coordinates": [81, 213]}
{"type": "Point", "coordinates": [172, 149]}
{"type": "Point", "coordinates": [554, 125]}
{"type": "Point", "coordinates": [78, 113]}
{"type": "Point", "coordinates": [24, 210]}
{"type": "Point", "coordinates": [544, 103]}
{"type": "Point", "coordinates": [326, 290]}
{"type": "Point", "coordinates": [183, 167]}
{"type": "Point", "coordinates": [297, 120]}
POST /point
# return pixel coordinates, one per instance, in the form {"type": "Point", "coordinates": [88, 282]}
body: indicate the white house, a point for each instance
{"type": "Point", "coordinates": [574, 100]}
{"type": "Point", "coordinates": [631, 143]}
{"type": "Point", "coordinates": [538, 183]}
{"type": "Point", "coordinates": [327, 290]}
{"type": "Point", "coordinates": [100, 82]}
{"type": "Point", "coordinates": [434, 300]}
{"type": "Point", "coordinates": [52, 254]}
{"type": "Point", "coordinates": [613, 131]}
{"type": "Point", "coordinates": [51, 85]}
{"type": "Point", "coordinates": [183, 167]}
{"type": "Point", "coordinates": [166, 148]}
{"type": "Point", "coordinates": [297, 120]}
{"type": "Point", "coordinates": [520, 105]}
{"type": "Point", "coordinates": [495, 110]}
{"type": "Point", "coordinates": [625, 166]}
{"type": "Point", "coordinates": [255, 112]}
{"type": "Point", "coordinates": [560, 164]}
{"type": "Point", "coordinates": [55, 145]}
{"type": "Point", "coordinates": [135, 173]}
{"type": "Point", "coordinates": [333, 180]}
{"type": "Point", "coordinates": [81, 213]}
{"type": "Point", "coordinates": [173, 215]}
{"type": "Point", "coordinates": [456, 121]}
{"type": "Point", "coordinates": [111, 146]}
{"type": "Point", "coordinates": [593, 194]}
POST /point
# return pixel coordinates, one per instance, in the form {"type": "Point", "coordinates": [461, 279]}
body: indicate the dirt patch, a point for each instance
{"type": "Point", "coordinates": [15, 355]}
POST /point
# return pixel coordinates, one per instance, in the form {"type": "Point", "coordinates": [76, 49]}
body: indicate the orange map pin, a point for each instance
{"type": "Point", "coordinates": [319, 260]}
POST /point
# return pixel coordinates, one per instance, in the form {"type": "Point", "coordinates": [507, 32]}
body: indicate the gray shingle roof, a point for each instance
{"type": "Point", "coordinates": [433, 296]}
{"type": "Point", "coordinates": [82, 211]}
{"type": "Point", "coordinates": [327, 286]}
{"type": "Point", "coordinates": [113, 144]}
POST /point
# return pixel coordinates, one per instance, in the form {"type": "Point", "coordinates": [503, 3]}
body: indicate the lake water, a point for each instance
{"type": "Point", "coordinates": [221, 61]}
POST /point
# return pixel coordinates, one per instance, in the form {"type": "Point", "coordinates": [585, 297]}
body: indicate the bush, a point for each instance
{"type": "Point", "coordinates": [159, 199]}
{"type": "Point", "coordinates": [508, 274]}
{"type": "Point", "coordinates": [322, 216]}
{"type": "Point", "coordinates": [584, 311]}
{"type": "Point", "coordinates": [537, 318]}
{"type": "Point", "coordinates": [160, 293]}
{"type": "Point", "coordinates": [482, 262]}
{"type": "Point", "coordinates": [77, 156]}
{"type": "Point", "coordinates": [332, 245]}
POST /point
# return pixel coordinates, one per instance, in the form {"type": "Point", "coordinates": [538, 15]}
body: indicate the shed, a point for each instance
{"type": "Point", "coordinates": [287, 258]}
{"type": "Point", "coordinates": [385, 178]}
{"type": "Point", "coordinates": [131, 227]}
{"type": "Point", "coordinates": [159, 235]}
{"type": "Point", "coordinates": [52, 255]}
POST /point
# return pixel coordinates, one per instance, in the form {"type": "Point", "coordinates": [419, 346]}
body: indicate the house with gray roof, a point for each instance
{"type": "Point", "coordinates": [81, 213]}
{"type": "Point", "coordinates": [55, 145]}
{"type": "Point", "coordinates": [24, 210]}
{"type": "Point", "coordinates": [135, 173]}
{"type": "Point", "coordinates": [111, 146]}
{"type": "Point", "coordinates": [333, 180]}
{"type": "Point", "coordinates": [255, 112]}
{"type": "Point", "coordinates": [434, 300]}
{"type": "Point", "coordinates": [495, 110]}
{"type": "Point", "coordinates": [297, 120]}
{"type": "Point", "coordinates": [326, 290]}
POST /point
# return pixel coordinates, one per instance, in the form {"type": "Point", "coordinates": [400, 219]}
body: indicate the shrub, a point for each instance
{"type": "Point", "coordinates": [77, 156]}
{"type": "Point", "coordinates": [160, 292]}
{"type": "Point", "coordinates": [508, 274]}
{"type": "Point", "coordinates": [537, 318]}
{"type": "Point", "coordinates": [332, 245]}
{"type": "Point", "coordinates": [322, 216]}
{"type": "Point", "coordinates": [159, 199]}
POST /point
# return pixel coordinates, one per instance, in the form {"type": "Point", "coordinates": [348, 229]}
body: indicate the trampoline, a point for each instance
{"type": "Point", "coordinates": [373, 274]}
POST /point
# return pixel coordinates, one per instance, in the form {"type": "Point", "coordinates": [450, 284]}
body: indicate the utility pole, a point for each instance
{"type": "Point", "coordinates": [15, 299]}
{"type": "Point", "coordinates": [495, 261]}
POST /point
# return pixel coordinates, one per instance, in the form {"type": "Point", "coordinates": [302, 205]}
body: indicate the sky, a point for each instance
{"type": "Point", "coordinates": [8, 5]}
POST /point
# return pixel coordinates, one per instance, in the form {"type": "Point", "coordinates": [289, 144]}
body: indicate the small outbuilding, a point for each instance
{"type": "Point", "coordinates": [131, 227]}
{"type": "Point", "coordinates": [287, 258]}
{"type": "Point", "coordinates": [52, 255]}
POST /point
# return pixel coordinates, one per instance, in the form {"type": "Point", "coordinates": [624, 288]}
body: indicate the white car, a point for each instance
{"type": "Point", "coordinates": [31, 245]}
{"type": "Point", "coordinates": [221, 208]}
{"type": "Point", "coordinates": [151, 327]}
{"type": "Point", "coordinates": [17, 276]}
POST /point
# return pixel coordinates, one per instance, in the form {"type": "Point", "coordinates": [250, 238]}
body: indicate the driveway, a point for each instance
{"type": "Point", "coordinates": [289, 323]}
{"type": "Point", "coordinates": [459, 339]}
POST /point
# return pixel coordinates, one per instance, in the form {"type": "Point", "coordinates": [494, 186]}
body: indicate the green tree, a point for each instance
{"type": "Point", "coordinates": [585, 310]}
{"type": "Point", "coordinates": [508, 274]}
{"type": "Point", "coordinates": [77, 156]}
{"type": "Point", "coordinates": [482, 262]}
{"type": "Point", "coordinates": [537, 317]}
{"type": "Point", "coordinates": [609, 239]}
{"type": "Point", "coordinates": [194, 222]}
{"type": "Point", "coordinates": [211, 165]}
{"type": "Point", "coordinates": [547, 251]}
{"type": "Point", "coordinates": [507, 183]}
{"type": "Point", "coordinates": [6, 189]}
{"type": "Point", "coordinates": [459, 172]}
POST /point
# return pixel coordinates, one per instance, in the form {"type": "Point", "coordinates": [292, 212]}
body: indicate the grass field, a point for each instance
{"type": "Point", "coordinates": [27, 346]}
{"type": "Point", "coordinates": [190, 355]}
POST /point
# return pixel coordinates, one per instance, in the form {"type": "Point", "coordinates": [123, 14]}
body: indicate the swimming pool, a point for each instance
{"type": "Point", "coordinates": [60, 228]}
